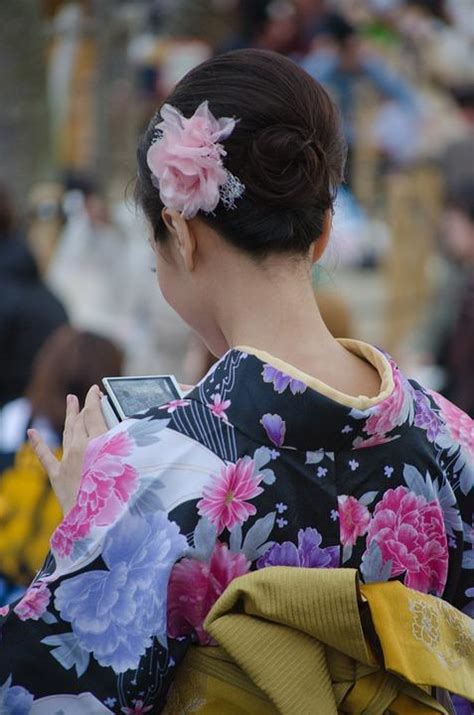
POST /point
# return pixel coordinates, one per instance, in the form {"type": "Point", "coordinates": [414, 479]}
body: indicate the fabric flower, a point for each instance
{"type": "Point", "coordinates": [225, 500]}
{"type": "Point", "coordinates": [307, 554]}
{"type": "Point", "coordinates": [115, 613]}
{"type": "Point", "coordinates": [281, 381]}
{"type": "Point", "coordinates": [410, 532]}
{"type": "Point", "coordinates": [219, 407]}
{"type": "Point", "coordinates": [354, 519]}
{"type": "Point", "coordinates": [34, 603]}
{"type": "Point", "coordinates": [195, 586]}
{"type": "Point", "coordinates": [186, 160]}
{"type": "Point", "coordinates": [106, 486]}
{"type": "Point", "coordinates": [395, 410]}
{"type": "Point", "coordinates": [275, 428]}
{"type": "Point", "coordinates": [14, 699]}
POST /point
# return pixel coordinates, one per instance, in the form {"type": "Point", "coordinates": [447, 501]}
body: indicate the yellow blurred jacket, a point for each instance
{"type": "Point", "coordinates": [29, 513]}
{"type": "Point", "coordinates": [298, 641]}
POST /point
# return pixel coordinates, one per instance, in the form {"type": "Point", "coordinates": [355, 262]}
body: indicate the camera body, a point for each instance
{"type": "Point", "coordinates": [127, 396]}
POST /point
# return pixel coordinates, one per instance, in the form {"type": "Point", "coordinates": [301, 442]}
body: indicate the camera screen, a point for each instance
{"type": "Point", "coordinates": [138, 394]}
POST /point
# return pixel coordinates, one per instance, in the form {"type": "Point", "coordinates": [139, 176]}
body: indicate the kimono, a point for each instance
{"type": "Point", "coordinates": [260, 465]}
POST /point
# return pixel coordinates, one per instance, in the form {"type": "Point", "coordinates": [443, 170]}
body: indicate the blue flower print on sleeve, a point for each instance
{"type": "Point", "coordinates": [14, 699]}
{"type": "Point", "coordinates": [115, 613]}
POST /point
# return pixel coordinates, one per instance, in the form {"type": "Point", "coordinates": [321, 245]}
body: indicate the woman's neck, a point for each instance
{"type": "Point", "coordinates": [274, 310]}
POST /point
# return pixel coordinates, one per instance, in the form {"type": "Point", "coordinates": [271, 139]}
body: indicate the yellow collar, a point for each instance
{"type": "Point", "coordinates": [364, 350]}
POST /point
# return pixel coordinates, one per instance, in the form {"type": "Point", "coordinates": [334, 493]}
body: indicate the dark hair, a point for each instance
{"type": "Point", "coordinates": [338, 28]}
{"type": "Point", "coordinates": [70, 361]}
{"type": "Point", "coordinates": [287, 149]}
{"type": "Point", "coordinates": [7, 212]}
{"type": "Point", "coordinates": [460, 196]}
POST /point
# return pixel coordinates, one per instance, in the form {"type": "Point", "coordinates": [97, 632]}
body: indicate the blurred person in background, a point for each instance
{"type": "Point", "coordinates": [340, 62]}
{"type": "Point", "coordinates": [457, 159]}
{"type": "Point", "coordinates": [455, 352]}
{"type": "Point", "coordinates": [279, 32]}
{"type": "Point", "coordinates": [91, 241]}
{"type": "Point", "coordinates": [29, 312]}
{"type": "Point", "coordinates": [157, 340]}
{"type": "Point", "coordinates": [296, 450]}
{"type": "Point", "coordinates": [45, 221]}
{"type": "Point", "coordinates": [120, 302]}
{"type": "Point", "coordinates": [69, 362]}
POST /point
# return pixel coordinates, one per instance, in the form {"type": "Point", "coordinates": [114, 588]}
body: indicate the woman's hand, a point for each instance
{"type": "Point", "coordinates": [79, 428]}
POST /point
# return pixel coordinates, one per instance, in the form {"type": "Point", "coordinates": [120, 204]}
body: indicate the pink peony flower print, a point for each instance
{"type": "Point", "coordinates": [138, 708]}
{"type": "Point", "coordinates": [195, 586]}
{"type": "Point", "coordinates": [354, 519]}
{"type": "Point", "coordinates": [275, 427]}
{"type": "Point", "coordinates": [4, 610]}
{"type": "Point", "coordinates": [34, 603]}
{"type": "Point", "coordinates": [219, 407]}
{"type": "Point", "coordinates": [186, 160]}
{"type": "Point", "coordinates": [396, 410]}
{"type": "Point", "coordinates": [410, 532]}
{"type": "Point", "coordinates": [225, 500]}
{"type": "Point", "coordinates": [173, 405]}
{"type": "Point", "coordinates": [106, 486]}
{"type": "Point", "coordinates": [459, 424]}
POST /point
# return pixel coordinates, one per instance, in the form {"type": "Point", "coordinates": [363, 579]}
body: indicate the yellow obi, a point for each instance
{"type": "Point", "coordinates": [298, 641]}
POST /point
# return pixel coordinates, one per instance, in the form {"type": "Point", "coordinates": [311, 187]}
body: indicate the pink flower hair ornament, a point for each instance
{"type": "Point", "coordinates": [186, 161]}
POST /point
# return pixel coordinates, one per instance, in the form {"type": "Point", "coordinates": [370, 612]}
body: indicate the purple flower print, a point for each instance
{"type": "Point", "coordinates": [282, 381]}
{"type": "Point", "coordinates": [425, 417]}
{"type": "Point", "coordinates": [275, 428]}
{"type": "Point", "coordinates": [307, 554]}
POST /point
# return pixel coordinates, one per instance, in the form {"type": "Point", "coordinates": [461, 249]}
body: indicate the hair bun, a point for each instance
{"type": "Point", "coordinates": [285, 167]}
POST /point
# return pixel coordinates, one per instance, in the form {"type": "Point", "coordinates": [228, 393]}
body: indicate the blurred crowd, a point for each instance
{"type": "Point", "coordinates": [78, 298]}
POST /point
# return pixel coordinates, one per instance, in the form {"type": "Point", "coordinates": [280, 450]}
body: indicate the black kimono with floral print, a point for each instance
{"type": "Point", "coordinates": [253, 468]}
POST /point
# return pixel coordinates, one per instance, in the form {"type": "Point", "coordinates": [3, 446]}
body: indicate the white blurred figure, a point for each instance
{"type": "Point", "coordinates": [158, 339]}
{"type": "Point", "coordinates": [89, 270]}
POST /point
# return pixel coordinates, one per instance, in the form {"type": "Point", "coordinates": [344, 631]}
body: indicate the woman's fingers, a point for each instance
{"type": "Point", "coordinates": [93, 418]}
{"type": "Point", "coordinates": [44, 454]}
{"type": "Point", "coordinates": [72, 411]}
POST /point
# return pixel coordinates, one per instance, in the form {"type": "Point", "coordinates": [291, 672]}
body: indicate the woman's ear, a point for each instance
{"type": "Point", "coordinates": [183, 237]}
{"type": "Point", "coordinates": [319, 246]}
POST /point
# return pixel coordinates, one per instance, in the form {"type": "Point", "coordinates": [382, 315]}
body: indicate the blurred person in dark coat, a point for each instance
{"type": "Point", "coordinates": [456, 353]}
{"type": "Point", "coordinates": [29, 312]}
